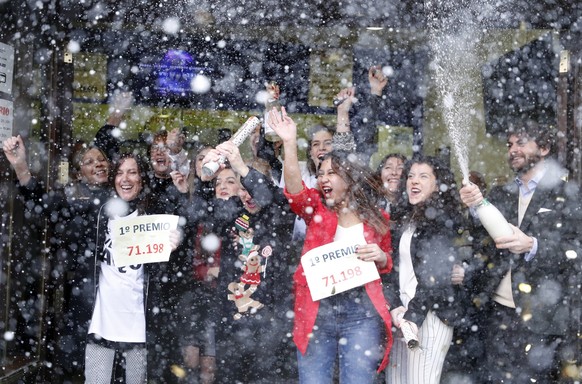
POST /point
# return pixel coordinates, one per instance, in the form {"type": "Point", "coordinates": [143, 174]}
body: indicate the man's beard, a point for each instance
{"type": "Point", "coordinates": [530, 162]}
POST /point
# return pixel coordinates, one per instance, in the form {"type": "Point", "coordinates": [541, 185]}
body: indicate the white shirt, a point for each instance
{"type": "Point", "coordinates": [355, 232]}
{"type": "Point", "coordinates": [406, 276]}
{"type": "Point", "coordinates": [119, 313]}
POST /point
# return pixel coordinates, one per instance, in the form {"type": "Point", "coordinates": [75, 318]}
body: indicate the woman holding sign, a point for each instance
{"type": "Point", "coordinates": [425, 303]}
{"type": "Point", "coordinates": [118, 323]}
{"type": "Point", "coordinates": [349, 324]}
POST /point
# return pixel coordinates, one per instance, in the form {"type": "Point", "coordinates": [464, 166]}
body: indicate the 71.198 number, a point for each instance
{"type": "Point", "coordinates": [342, 276]}
{"type": "Point", "coordinates": [135, 250]}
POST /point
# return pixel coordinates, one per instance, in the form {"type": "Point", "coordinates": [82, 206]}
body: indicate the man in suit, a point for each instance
{"type": "Point", "coordinates": [528, 284]}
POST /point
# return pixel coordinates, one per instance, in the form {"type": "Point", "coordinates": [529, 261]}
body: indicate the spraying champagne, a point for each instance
{"type": "Point", "coordinates": [238, 138]}
{"type": "Point", "coordinates": [491, 218]}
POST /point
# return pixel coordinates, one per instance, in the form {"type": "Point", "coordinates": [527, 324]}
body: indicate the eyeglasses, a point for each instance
{"type": "Point", "coordinates": [159, 147]}
{"type": "Point", "coordinates": [91, 161]}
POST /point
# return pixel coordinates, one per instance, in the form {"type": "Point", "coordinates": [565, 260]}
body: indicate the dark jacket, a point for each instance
{"type": "Point", "coordinates": [265, 324]}
{"type": "Point", "coordinates": [365, 123]}
{"type": "Point", "coordinates": [72, 215]}
{"type": "Point", "coordinates": [547, 287]}
{"type": "Point", "coordinates": [167, 284]}
{"type": "Point", "coordinates": [273, 226]}
{"type": "Point", "coordinates": [434, 253]}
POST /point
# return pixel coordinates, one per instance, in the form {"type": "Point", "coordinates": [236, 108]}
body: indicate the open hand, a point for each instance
{"type": "Point", "coordinates": [283, 125]}
{"type": "Point", "coordinates": [346, 97]}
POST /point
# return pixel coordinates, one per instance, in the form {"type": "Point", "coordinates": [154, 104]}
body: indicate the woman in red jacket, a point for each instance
{"type": "Point", "coordinates": [352, 326]}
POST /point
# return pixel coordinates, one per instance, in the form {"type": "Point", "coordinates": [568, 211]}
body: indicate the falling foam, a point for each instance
{"type": "Point", "coordinates": [74, 46]}
{"type": "Point", "coordinates": [388, 71]}
{"type": "Point", "coordinates": [116, 207]}
{"type": "Point", "coordinates": [210, 243]}
{"type": "Point", "coordinates": [171, 25]}
{"type": "Point", "coordinates": [454, 59]}
{"type": "Point", "coordinates": [262, 97]}
{"type": "Point", "coordinates": [200, 84]}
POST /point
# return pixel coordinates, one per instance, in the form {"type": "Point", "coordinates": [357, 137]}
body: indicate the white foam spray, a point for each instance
{"type": "Point", "coordinates": [453, 36]}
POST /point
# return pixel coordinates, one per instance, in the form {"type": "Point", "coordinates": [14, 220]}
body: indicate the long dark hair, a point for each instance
{"type": "Point", "coordinates": [443, 207]}
{"type": "Point", "coordinates": [143, 200]}
{"type": "Point", "coordinates": [364, 189]}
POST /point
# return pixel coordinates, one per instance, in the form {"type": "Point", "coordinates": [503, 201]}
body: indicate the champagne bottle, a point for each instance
{"type": "Point", "coordinates": [272, 102]}
{"type": "Point", "coordinates": [493, 220]}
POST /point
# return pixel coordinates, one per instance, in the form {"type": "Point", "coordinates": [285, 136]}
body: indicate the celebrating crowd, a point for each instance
{"type": "Point", "coordinates": [314, 272]}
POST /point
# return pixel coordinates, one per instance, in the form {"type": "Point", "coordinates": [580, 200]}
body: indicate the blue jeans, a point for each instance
{"type": "Point", "coordinates": [348, 328]}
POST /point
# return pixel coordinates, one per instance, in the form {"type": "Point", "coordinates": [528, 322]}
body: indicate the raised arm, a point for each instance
{"type": "Point", "coordinates": [345, 98]}
{"type": "Point", "coordinates": [107, 137]}
{"type": "Point", "coordinates": [377, 80]}
{"type": "Point", "coordinates": [121, 102]}
{"type": "Point", "coordinates": [365, 121]}
{"type": "Point", "coordinates": [16, 154]}
{"type": "Point", "coordinates": [287, 131]}
{"type": "Point", "coordinates": [175, 142]}
{"type": "Point", "coordinates": [358, 131]}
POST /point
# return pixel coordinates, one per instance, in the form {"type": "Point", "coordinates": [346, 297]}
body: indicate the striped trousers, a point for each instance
{"type": "Point", "coordinates": [423, 365]}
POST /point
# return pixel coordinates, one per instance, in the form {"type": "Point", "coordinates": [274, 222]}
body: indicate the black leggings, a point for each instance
{"type": "Point", "coordinates": [102, 357]}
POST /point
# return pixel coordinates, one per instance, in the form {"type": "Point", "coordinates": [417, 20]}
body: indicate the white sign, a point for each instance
{"type": "Point", "coordinates": [142, 239]}
{"type": "Point", "coordinates": [6, 119]}
{"type": "Point", "coordinates": [334, 268]}
{"type": "Point", "coordinates": [6, 68]}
